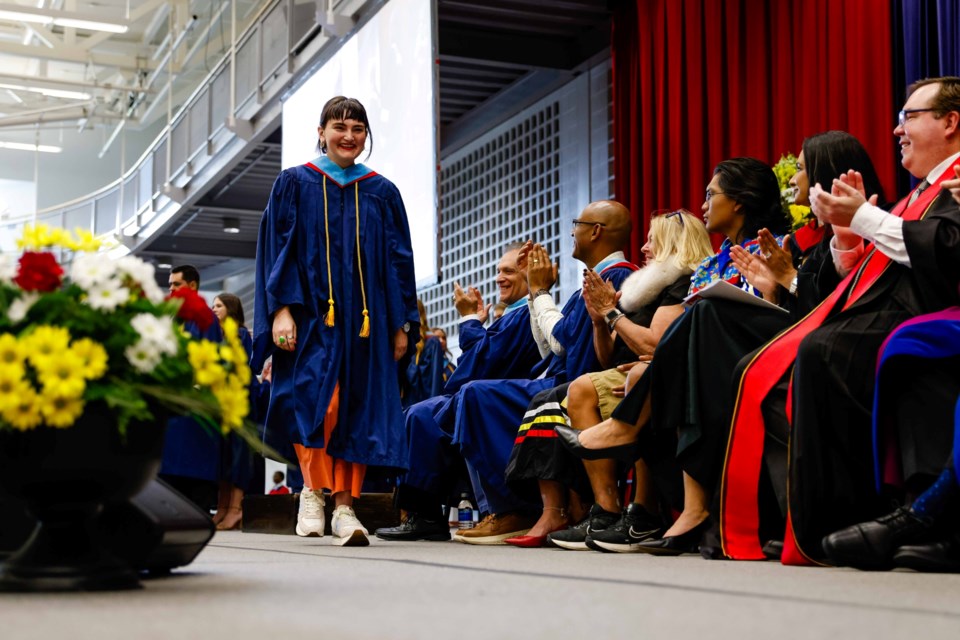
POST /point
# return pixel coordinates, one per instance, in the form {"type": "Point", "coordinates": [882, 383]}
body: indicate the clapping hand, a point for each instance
{"type": "Point", "coordinates": [541, 273]}
{"type": "Point", "coordinates": [468, 302]}
{"type": "Point", "coordinates": [598, 295]}
{"type": "Point", "coordinates": [846, 195]}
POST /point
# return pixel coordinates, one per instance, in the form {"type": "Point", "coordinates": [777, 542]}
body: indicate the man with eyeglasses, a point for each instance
{"type": "Point", "coordinates": [909, 265]}
{"type": "Point", "coordinates": [488, 413]}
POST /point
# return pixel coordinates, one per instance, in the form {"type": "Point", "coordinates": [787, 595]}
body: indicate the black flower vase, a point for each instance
{"type": "Point", "coordinates": [64, 477]}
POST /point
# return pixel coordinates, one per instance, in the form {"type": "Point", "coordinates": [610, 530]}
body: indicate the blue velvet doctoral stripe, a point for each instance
{"type": "Point", "coordinates": [926, 337]}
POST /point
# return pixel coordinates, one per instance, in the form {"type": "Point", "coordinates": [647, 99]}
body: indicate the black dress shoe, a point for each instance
{"type": "Point", "coordinates": [942, 556]}
{"type": "Point", "coordinates": [870, 545]}
{"type": "Point", "coordinates": [416, 528]}
{"type": "Point", "coordinates": [688, 542]}
{"type": "Point", "coordinates": [773, 549]}
{"type": "Point", "coordinates": [571, 440]}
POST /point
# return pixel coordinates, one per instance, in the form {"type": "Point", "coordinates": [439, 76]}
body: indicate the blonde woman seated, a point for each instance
{"type": "Point", "coordinates": [651, 299]}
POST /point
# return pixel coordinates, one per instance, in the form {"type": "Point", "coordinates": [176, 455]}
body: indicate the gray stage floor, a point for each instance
{"type": "Point", "coordinates": [282, 587]}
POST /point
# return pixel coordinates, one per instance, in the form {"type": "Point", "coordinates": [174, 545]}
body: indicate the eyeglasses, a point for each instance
{"type": "Point", "coordinates": [710, 194]}
{"type": "Point", "coordinates": [669, 214]}
{"type": "Point", "coordinates": [586, 222]}
{"type": "Point", "coordinates": [902, 116]}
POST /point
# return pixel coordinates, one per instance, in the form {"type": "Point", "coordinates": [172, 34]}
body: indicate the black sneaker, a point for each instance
{"type": "Point", "coordinates": [575, 537]}
{"type": "Point", "coordinates": [636, 525]}
{"type": "Point", "coordinates": [416, 528]}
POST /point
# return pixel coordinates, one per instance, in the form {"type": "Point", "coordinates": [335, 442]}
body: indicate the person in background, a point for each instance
{"type": "Point", "coordinates": [278, 487]}
{"type": "Point", "coordinates": [191, 455]}
{"type": "Point", "coordinates": [239, 466]}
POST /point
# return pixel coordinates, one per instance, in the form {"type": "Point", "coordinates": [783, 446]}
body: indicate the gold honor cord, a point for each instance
{"type": "Point", "coordinates": [365, 327]}
{"type": "Point", "coordinates": [329, 319]}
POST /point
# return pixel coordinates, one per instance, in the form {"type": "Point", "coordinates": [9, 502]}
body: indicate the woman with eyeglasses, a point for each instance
{"type": "Point", "coordinates": [678, 392]}
{"type": "Point", "coordinates": [651, 299]}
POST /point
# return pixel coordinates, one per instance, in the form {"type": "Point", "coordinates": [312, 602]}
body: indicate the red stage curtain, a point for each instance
{"type": "Point", "coordinates": [698, 81]}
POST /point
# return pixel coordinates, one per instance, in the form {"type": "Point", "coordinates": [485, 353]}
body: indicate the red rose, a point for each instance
{"type": "Point", "coordinates": [38, 272]}
{"type": "Point", "coordinates": [193, 308]}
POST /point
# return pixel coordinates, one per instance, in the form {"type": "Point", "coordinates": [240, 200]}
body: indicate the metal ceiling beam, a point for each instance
{"type": "Point", "coordinates": [77, 55]}
{"type": "Point", "coordinates": [204, 246]}
{"type": "Point", "coordinates": [46, 81]}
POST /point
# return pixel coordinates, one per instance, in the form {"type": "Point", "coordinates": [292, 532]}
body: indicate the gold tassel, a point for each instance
{"type": "Point", "coordinates": [365, 327]}
{"type": "Point", "coordinates": [328, 319]}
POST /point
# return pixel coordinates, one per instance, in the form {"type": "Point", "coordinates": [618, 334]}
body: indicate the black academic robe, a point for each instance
{"type": "Point", "coordinates": [832, 354]}
{"type": "Point", "coordinates": [308, 241]}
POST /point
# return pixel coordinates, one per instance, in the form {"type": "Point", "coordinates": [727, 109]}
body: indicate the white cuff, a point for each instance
{"type": "Point", "coordinates": [867, 221]}
{"type": "Point", "coordinates": [469, 316]}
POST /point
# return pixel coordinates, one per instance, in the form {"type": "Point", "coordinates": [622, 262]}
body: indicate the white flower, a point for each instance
{"type": "Point", "coordinates": [91, 269]}
{"type": "Point", "coordinates": [143, 356]}
{"type": "Point", "coordinates": [19, 307]}
{"type": "Point", "coordinates": [142, 273]}
{"type": "Point", "coordinates": [108, 295]}
{"type": "Point", "coordinates": [8, 268]}
{"type": "Point", "coordinates": [157, 332]}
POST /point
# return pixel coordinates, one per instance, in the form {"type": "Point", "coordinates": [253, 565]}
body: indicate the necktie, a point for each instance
{"type": "Point", "coordinates": [916, 194]}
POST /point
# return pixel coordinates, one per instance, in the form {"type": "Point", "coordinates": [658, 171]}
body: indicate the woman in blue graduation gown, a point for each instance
{"type": "Point", "coordinates": [335, 301]}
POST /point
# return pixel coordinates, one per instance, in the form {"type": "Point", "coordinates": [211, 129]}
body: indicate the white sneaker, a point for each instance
{"type": "Point", "coordinates": [310, 518]}
{"type": "Point", "coordinates": [347, 530]}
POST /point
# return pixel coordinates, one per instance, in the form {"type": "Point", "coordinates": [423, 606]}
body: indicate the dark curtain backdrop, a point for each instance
{"type": "Point", "coordinates": [697, 81]}
{"type": "Point", "coordinates": [926, 43]}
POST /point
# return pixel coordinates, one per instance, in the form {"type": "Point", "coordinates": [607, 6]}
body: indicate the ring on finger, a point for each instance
{"type": "Point", "coordinates": [281, 340]}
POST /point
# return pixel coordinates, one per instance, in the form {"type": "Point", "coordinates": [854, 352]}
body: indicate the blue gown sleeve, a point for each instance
{"type": "Point", "coordinates": [278, 276]}
{"type": "Point", "coordinates": [471, 332]}
{"type": "Point", "coordinates": [401, 298]}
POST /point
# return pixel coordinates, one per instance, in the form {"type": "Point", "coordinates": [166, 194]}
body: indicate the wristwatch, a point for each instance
{"type": "Point", "coordinates": [406, 327]}
{"type": "Point", "coordinates": [611, 317]}
{"type": "Point", "coordinates": [793, 286]}
{"type": "Point", "coordinates": [541, 292]}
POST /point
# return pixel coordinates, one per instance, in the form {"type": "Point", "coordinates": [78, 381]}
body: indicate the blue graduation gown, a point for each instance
{"type": "Point", "coordinates": [292, 252]}
{"type": "Point", "coordinates": [505, 349]}
{"type": "Point", "coordinates": [189, 449]}
{"type": "Point", "coordinates": [488, 413]}
{"type": "Point", "coordinates": [425, 373]}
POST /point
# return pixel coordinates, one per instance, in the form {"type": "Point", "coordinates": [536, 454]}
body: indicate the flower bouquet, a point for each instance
{"type": "Point", "coordinates": [785, 169]}
{"type": "Point", "coordinates": [93, 361]}
{"type": "Point", "coordinates": [101, 330]}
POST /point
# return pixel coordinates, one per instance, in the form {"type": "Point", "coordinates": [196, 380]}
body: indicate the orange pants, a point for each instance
{"type": "Point", "coordinates": [321, 471]}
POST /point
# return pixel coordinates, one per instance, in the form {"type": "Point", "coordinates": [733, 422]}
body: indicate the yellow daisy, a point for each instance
{"type": "Point", "coordinates": [62, 375]}
{"type": "Point", "coordinates": [44, 343]}
{"type": "Point", "coordinates": [10, 350]}
{"type": "Point", "coordinates": [93, 356]}
{"type": "Point", "coordinates": [12, 384]}
{"type": "Point", "coordinates": [60, 411]}
{"type": "Point", "coordinates": [23, 414]}
{"type": "Point", "coordinates": [86, 241]}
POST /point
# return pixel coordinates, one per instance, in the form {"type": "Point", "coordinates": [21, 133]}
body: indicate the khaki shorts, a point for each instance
{"type": "Point", "coordinates": [604, 382]}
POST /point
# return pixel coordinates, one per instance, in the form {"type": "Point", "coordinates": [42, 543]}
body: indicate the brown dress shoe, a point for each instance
{"type": "Point", "coordinates": [496, 528]}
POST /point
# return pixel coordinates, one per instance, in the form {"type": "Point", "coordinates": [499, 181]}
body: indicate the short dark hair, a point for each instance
{"type": "Point", "coordinates": [189, 273]}
{"type": "Point", "coordinates": [753, 185]}
{"type": "Point", "coordinates": [343, 108]}
{"type": "Point", "coordinates": [947, 98]}
{"type": "Point", "coordinates": [233, 305]}
{"type": "Point", "coordinates": [828, 155]}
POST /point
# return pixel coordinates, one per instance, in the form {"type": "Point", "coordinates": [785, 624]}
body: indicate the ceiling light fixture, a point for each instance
{"type": "Point", "coordinates": [51, 93]}
{"type": "Point", "coordinates": [231, 225]}
{"type": "Point", "coordinates": [22, 146]}
{"type": "Point", "coordinates": [164, 262]}
{"type": "Point", "coordinates": [44, 18]}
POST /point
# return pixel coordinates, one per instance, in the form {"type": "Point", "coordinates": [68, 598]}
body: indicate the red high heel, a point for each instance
{"type": "Point", "coordinates": [535, 542]}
